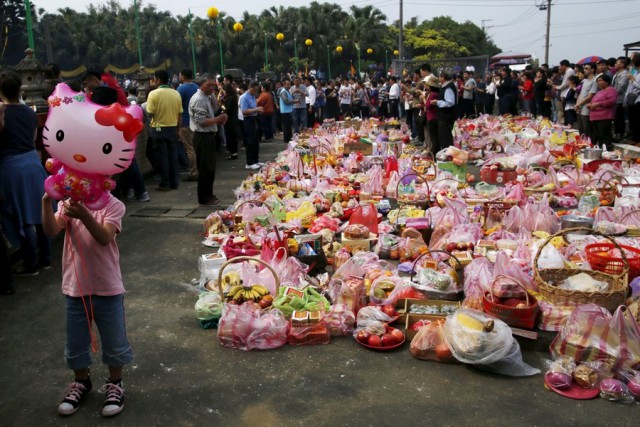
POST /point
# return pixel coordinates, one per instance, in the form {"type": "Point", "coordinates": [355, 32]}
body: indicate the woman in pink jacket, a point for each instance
{"type": "Point", "coordinates": [602, 110]}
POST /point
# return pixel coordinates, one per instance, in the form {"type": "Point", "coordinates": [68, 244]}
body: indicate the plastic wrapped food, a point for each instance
{"type": "Point", "coordinates": [431, 279]}
{"type": "Point", "coordinates": [560, 371]}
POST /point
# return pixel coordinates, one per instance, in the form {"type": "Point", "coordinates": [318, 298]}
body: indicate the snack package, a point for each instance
{"type": "Point", "coordinates": [632, 379]}
{"type": "Point", "coordinates": [615, 390]}
{"type": "Point", "coordinates": [586, 375]}
{"type": "Point", "coordinates": [560, 372]}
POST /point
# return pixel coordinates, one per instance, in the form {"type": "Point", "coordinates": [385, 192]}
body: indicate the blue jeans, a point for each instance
{"type": "Point", "coordinates": [108, 314]}
{"type": "Point", "coordinates": [165, 143]}
{"type": "Point", "coordinates": [299, 116]}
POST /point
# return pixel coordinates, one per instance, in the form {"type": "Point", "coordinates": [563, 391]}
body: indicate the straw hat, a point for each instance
{"type": "Point", "coordinates": [433, 81]}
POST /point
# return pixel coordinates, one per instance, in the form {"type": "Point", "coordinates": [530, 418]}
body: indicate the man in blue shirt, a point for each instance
{"type": "Point", "coordinates": [186, 90]}
{"type": "Point", "coordinates": [250, 111]}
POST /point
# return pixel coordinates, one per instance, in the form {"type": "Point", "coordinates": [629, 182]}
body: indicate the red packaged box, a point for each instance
{"type": "Point", "coordinates": [494, 176]}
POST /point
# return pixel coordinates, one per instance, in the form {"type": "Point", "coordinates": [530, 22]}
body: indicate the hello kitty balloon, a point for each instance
{"type": "Point", "coordinates": [88, 143]}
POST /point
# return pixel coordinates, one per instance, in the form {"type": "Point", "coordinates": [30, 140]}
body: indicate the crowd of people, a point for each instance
{"type": "Point", "coordinates": [597, 99]}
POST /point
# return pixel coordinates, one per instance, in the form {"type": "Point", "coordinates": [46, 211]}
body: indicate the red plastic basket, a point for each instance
{"type": "Point", "coordinates": [512, 316]}
{"type": "Point", "coordinates": [600, 261]}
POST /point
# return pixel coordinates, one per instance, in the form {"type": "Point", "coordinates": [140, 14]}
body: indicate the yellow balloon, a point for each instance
{"type": "Point", "coordinates": [396, 52]}
{"type": "Point", "coordinates": [237, 27]}
{"type": "Point", "coordinates": [369, 51]}
{"type": "Point", "coordinates": [339, 49]}
{"type": "Point", "coordinates": [212, 13]}
{"type": "Point", "coordinates": [279, 37]}
{"type": "Point", "coordinates": [308, 42]}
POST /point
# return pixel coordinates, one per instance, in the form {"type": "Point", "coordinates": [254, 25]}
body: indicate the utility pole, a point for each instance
{"type": "Point", "coordinates": [547, 7]}
{"type": "Point", "coordinates": [484, 28]}
{"type": "Point", "coordinates": [401, 37]}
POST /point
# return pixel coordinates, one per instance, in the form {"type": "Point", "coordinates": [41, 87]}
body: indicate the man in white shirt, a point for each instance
{"type": "Point", "coordinates": [394, 97]}
{"type": "Point", "coordinates": [566, 71]}
{"type": "Point", "coordinates": [468, 94]}
{"type": "Point", "coordinates": [310, 100]}
{"type": "Point", "coordinates": [588, 90]}
{"type": "Point", "coordinates": [345, 94]}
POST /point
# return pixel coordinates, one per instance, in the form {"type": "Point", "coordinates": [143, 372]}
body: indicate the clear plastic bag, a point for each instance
{"type": "Point", "coordinates": [476, 338]}
{"type": "Point", "coordinates": [430, 344]}
{"type": "Point", "coordinates": [208, 306]}
{"type": "Point", "coordinates": [560, 372]}
{"type": "Point", "coordinates": [511, 364]}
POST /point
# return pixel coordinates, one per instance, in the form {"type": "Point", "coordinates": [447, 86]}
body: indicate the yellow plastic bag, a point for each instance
{"type": "Point", "coordinates": [306, 213]}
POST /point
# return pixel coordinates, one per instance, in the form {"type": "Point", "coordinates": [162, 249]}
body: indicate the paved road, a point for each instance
{"type": "Point", "coordinates": [181, 375]}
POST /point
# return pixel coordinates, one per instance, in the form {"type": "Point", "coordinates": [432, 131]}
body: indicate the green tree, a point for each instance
{"type": "Point", "coordinates": [13, 38]}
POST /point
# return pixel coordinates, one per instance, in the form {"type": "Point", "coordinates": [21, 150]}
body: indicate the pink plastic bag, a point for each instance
{"type": "Point", "coordinates": [454, 213]}
{"type": "Point", "coordinates": [516, 194]}
{"type": "Point", "coordinates": [478, 276]}
{"type": "Point", "coordinates": [509, 267]}
{"type": "Point", "coordinates": [392, 185]}
{"type": "Point", "coordinates": [592, 333]}
{"type": "Point", "coordinates": [246, 327]}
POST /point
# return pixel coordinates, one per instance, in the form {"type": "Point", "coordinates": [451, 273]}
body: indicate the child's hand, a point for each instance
{"type": "Point", "coordinates": [75, 210]}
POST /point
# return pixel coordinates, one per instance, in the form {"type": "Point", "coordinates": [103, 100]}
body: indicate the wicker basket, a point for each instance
{"type": "Point", "coordinates": [403, 201]}
{"type": "Point", "coordinates": [245, 258]}
{"type": "Point", "coordinates": [548, 278]}
{"type": "Point", "coordinates": [237, 213]}
{"type": "Point", "coordinates": [512, 316]}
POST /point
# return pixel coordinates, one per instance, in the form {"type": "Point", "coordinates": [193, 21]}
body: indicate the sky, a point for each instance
{"type": "Point", "coordinates": [578, 28]}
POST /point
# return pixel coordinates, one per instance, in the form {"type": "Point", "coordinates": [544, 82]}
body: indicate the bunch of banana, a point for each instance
{"type": "Point", "coordinates": [240, 293]}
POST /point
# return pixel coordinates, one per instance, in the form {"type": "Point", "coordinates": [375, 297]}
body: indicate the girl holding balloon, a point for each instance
{"type": "Point", "coordinates": [90, 142]}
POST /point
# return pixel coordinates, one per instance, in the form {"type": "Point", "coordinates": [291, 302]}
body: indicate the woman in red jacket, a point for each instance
{"type": "Point", "coordinates": [526, 90]}
{"type": "Point", "coordinates": [602, 110]}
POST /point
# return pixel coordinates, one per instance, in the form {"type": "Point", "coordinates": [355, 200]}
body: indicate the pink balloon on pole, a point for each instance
{"type": "Point", "coordinates": [88, 143]}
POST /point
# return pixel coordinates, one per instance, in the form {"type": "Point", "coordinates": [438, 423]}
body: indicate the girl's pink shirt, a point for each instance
{"type": "Point", "coordinates": [89, 268]}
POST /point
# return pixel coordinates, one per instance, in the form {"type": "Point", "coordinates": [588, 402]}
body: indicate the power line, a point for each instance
{"type": "Point", "coordinates": [595, 33]}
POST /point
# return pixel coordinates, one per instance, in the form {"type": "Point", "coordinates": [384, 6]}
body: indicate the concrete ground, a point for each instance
{"type": "Point", "coordinates": [182, 376]}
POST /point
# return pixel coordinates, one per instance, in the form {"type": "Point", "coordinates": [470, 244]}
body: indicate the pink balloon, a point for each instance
{"type": "Point", "coordinates": [88, 142]}
{"type": "Point", "coordinates": [91, 189]}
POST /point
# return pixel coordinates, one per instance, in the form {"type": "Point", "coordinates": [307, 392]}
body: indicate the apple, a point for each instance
{"type": "Point", "coordinates": [387, 340]}
{"type": "Point", "coordinates": [362, 337]}
{"type": "Point", "coordinates": [451, 247]}
{"type": "Point", "coordinates": [389, 310]}
{"type": "Point", "coordinates": [470, 246]}
{"type": "Point", "coordinates": [462, 246]}
{"type": "Point", "coordinates": [374, 340]}
{"type": "Point", "coordinates": [397, 335]}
